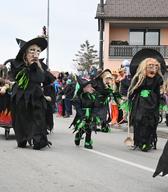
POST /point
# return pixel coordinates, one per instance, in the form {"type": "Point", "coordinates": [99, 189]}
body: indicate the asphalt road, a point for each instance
{"type": "Point", "coordinates": [110, 167]}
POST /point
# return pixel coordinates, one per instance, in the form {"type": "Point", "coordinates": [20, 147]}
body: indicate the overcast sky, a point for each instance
{"type": "Point", "coordinates": [71, 23]}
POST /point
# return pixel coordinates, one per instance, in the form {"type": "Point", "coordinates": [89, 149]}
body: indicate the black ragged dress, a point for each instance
{"type": "Point", "coordinates": [145, 112]}
{"type": "Point", "coordinates": [84, 122]}
{"type": "Point", "coordinates": [101, 106]}
{"type": "Point", "coordinates": [29, 105]}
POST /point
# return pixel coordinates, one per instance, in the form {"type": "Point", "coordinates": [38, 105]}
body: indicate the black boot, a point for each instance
{"type": "Point", "coordinates": [105, 127]}
{"type": "Point", "coordinates": [88, 141]}
{"type": "Point", "coordinates": [145, 147]}
{"type": "Point", "coordinates": [22, 144]}
{"type": "Point", "coordinates": [42, 143]}
{"type": "Point", "coordinates": [88, 145]}
{"type": "Point", "coordinates": [78, 138]}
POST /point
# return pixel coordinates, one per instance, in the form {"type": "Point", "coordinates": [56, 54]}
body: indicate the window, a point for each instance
{"type": "Point", "coordinates": [136, 38]}
{"type": "Point", "coordinates": [144, 37]}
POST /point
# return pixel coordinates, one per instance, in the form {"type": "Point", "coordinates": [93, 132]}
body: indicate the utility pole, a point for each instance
{"type": "Point", "coordinates": [101, 29]}
{"type": "Point", "coordinates": [47, 34]}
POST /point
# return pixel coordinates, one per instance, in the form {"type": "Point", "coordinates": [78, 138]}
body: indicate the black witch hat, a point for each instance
{"type": "Point", "coordinates": [81, 83]}
{"type": "Point", "coordinates": [98, 83]}
{"type": "Point", "coordinates": [108, 71]}
{"type": "Point", "coordinates": [143, 54]}
{"type": "Point", "coordinates": [40, 41]}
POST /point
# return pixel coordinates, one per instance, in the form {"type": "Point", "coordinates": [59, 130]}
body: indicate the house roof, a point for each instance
{"type": "Point", "coordinates": [135, 9]}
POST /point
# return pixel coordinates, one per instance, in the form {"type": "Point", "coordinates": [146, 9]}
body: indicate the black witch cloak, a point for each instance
{"type": "Point", "coordinates": [162, 166]}
{"type": "Point", "coordinates": [145, 111]}
{"type": "Point", "coordinates": [28, 105]}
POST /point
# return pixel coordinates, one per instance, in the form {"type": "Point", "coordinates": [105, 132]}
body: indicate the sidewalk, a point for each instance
{"type": "Point", "coordinates": [162, 130]}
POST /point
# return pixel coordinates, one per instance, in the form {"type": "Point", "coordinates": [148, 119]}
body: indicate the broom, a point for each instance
{"type": "Point", "coordinates": [128, 141]}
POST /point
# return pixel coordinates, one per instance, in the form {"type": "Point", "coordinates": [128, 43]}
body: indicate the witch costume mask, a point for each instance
{"type": "Point", "coordinates": [104, 77]}
{"type": "Point", "coordinates": [152, 67]}
{"type": "Point", "coordinates": [32, 54]}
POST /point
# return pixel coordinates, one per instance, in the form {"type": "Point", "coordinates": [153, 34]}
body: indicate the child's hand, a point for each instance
{"type": "Point", "coordinates": [48, 98]}
{"type": "Point", "coordinates": [2, 90]}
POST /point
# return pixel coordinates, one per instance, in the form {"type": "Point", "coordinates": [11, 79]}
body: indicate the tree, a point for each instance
{"type": "Point", "coordinates": [86, 57]}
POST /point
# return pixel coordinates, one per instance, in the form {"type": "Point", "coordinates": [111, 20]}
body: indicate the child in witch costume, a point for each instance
{"type": "Point", "coordinates": [28, 101]}
{"type": "Point", "coordinates": [83, 122]}
{"type": "Point", "coordinates": [104, 93]}
{"type": "Point", "coordinates": [146, 67]}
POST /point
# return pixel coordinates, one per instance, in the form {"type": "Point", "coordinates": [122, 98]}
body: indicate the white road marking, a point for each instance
{"type": "Point", "coordinates": [121, 160]}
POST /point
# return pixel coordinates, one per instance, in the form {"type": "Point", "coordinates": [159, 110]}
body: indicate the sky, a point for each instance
{"type": "Point", "coordinates": [71, 23]}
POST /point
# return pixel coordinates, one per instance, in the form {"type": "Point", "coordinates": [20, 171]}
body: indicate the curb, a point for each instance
{"type": "Point", "coordinates": [162, 134]}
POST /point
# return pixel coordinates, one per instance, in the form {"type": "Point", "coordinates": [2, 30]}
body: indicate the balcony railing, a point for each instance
{"type": "Point", "coordinates": [122, 51]}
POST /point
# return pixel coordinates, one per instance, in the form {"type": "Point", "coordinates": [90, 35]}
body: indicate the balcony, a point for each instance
{"type": "Point", "coordinates": [128, 51]}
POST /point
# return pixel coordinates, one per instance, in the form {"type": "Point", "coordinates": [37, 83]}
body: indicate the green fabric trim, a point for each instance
{"type": "Point", "coordinates": [87, 112]}
{"type": "Point", "coordinates": [91, 96]}
{"type": "Point", "coordinates": [105, 99]}
{"type": "Point", "coordinates": [145, 93]}
{"type": "Point", "coordinates": [144, 146]}
{"type": "Point", "coordinates": [98, 121]}
{"type": "Point", "coordinates": [89, 143]}
{"type": "Point", "coordinates": [77, 87]}
{"type": "Point", "coordinates": [163, 108]}
{"type": "Point", "coordinates": [160, 107]}
{"type": "Point", "coordinates": [22, 79]}
{"type": "Point", "coordinates": [81, 124]}
{"type": "Point", "coordinates": [78, 121]}
{"type": "Point", "coordinates": [126, 106]}
{"type": "Point", "coordinates": [110, 90]}
{"type": "Point", "coordinates": [106, 102]}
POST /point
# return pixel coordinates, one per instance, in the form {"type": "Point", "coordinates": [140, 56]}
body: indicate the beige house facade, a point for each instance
{"type": "Point", "coordinates": [131, 25]}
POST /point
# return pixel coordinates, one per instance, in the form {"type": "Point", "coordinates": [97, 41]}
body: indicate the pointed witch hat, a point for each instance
{"type": "Point", "coordinates": [40, 41]}
{"type": "Point", "coordinates": [106, 72]}
{"type": "Point", "coordinates": [80, 84]}
{"type": "Point", "coordinates": [20, 42]}
{"type": "Point", "coordinates": [143, 54]}
{"type": "Point", "coordinates": [98, 80]}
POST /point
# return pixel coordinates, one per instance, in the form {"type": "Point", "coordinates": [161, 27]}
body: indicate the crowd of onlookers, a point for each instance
{"type": "Point", "coordinates": [64, 87]}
